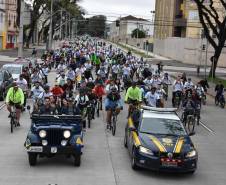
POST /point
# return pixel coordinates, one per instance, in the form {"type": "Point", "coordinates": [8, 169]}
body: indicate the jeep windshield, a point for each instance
{"type": "Point", "coordinates": [56, 119]}
{"type": "Point", "coordinates": [162, 126]}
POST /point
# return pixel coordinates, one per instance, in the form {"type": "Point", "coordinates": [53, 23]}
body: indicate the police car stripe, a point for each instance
{"type": "Point", "coordinates": [134, 134]}
{"type": "Point", "coordinates": [158, 144]}
{"type": "Point", "coordinates": [179, 145]}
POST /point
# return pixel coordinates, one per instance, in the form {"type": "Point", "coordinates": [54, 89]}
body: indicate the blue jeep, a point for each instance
{"type": "Point", "coordinates": [50, 135]}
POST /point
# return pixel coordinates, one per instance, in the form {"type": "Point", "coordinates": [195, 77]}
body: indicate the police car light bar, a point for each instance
{"type": "Point", "coordinates": [158, 109]}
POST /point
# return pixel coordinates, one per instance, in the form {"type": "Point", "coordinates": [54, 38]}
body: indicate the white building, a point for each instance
{"type": "Point", "coordinates": [127, 25]}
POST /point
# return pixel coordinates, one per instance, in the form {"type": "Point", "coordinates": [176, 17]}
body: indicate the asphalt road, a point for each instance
{"type": "Point", "coordinates": [105, 161]}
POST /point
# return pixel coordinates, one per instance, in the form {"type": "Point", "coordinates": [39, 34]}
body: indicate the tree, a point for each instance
{"type": "Point", "coordinates": [96, 26]}
{"type": "Point", "coordinates": [41, 6]}
{"type": "Point", "coordinates": [138, 34]}
{"type": "Point", "coordinates": [213, 21]}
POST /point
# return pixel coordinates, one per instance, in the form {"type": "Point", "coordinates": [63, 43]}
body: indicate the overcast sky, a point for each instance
{"type": "Point", "coordinates": [114, 8]}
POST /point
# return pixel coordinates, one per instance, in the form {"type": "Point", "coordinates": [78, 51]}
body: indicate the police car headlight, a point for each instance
{"type": "Point", "coordinates": [67, 134]}
{"type": "Point", "coordinates": [42, 133]}
{"type": "Point", "coordinates": [146, 151]}
{"type": "Point", "coordinates": [191, 154]}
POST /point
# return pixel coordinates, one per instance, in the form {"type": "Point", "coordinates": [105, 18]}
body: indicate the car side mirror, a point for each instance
{"type": "Point", "coordinates": [132, 129]}
{"type": "Point", "coordinates": [191, 133]}
{"type": "Point", "coordinates": [28, 107]}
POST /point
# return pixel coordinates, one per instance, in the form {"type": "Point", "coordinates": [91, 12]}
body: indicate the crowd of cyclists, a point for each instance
{"type": "Point", "coordinates": [90, 72]}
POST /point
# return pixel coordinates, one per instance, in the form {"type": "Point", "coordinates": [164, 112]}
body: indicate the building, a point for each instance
{"type": "Point", "coordinates": [194, 28]}
{"type": "Point", "coordinates": [127, 25]}
{"type": "Point", "coordinates": [11, 25]}
{"type": "Point", "coordinates": [179, 18]}
{"type": "Point", "coordinates": [170, 19]}
{"type": "Point", "coordinates": [2, 25]}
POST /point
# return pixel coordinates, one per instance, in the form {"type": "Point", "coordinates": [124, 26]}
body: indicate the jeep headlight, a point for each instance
{"type": "Point", "coordinates": [191, 154]}
{"type": "Point", "coordinates": [42, 133]}
{"type": "Point", "coordinates": [146, 151]}
{"type": "Point", "coordinates": [67, 134]}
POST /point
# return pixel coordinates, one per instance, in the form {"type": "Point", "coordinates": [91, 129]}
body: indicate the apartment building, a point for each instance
{"type": "Point", "coordinates": [12, 29]}
{"type": "Point", "coordinates": [2, 25]}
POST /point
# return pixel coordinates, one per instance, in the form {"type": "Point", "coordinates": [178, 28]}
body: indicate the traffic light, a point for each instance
{"type": "Point", "coordinates": [203, 47]}
{"type": "Point", "coordinates": [117, 23]}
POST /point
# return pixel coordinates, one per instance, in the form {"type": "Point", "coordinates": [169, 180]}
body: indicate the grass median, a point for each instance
{"type": "Point", "coordinates": [216, 80]}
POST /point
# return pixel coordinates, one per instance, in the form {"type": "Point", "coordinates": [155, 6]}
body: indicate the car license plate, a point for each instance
{"type": "Point", "coordinates": [35, 149]}
{"type": "Point", "coordinates": [169, 164]}
{"type": "Point", "coordinates": [53, 150]}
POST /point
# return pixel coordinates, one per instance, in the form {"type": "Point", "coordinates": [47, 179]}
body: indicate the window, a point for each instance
{"type": "Point", "coordinates": [193, 15]}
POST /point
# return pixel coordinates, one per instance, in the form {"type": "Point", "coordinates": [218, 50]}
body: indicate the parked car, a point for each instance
{"type": "Point", "coordinates": [5, 83]}
{"type": "Point", "coordinates": [14, 69]}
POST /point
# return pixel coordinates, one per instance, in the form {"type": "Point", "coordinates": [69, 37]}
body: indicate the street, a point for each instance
{"type": "Point", "coordinates": [105, 161]}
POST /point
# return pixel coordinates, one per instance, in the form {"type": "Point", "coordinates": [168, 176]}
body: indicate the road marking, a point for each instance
{"type": "Point", "coordinates": [206, 127]}
{"type": "Point", "coordinates": [2, 106]}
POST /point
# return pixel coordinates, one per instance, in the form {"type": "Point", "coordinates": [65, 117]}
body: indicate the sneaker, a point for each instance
{"type": "Point", "coordinates": [18, 124]}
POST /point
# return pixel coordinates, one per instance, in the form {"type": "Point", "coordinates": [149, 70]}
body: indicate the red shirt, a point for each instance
{"type": "Point", "coordinates": [57, 91]}
{"type": "Point", "coordinates": [98, 91]}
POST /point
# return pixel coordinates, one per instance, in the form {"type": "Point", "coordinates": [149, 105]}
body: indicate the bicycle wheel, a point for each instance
{"type": "Point", "coordinates": [98, 109]}
{"type": "Point", "coordinates": [191, 124]}
{"type": "Point", "coordinates": [11, 125]}
{"type": "Point", "coordinates": [113, 125]}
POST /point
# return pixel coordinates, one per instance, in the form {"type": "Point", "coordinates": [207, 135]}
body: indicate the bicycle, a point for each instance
{"type": "Point", "coordinates": [13, 119]}
{"type": "Point", "coordinates": [89, 114]}
{"type": "Point", "coordinates": [114, 121]}
{"type": "Point", "coordinates": [190, 121]}
{"type": "Point", "coordinates": [98, 106]}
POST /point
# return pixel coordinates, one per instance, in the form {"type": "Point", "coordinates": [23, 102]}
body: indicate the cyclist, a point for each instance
{"type": "Point", "coordinates": [57, 90]}
{"type": "Point", "coordinates": [133, 96]}
{"type": "Point", "coordinates": [112, 101]}
{"type": "Point", "coordinates": [219, 89]}
{"type": "Point", "coordinates": [36, 91]}
{"type": "Point", "coordinates": [15, 97]}
{"type": "Point", "coordinates": [166, 81]}
{"type": "Point", "coordinates": [188, 86]}
{"type": "Point", "coordinates": [152, 98]}
{"type": "Point", "coordinates": [189, 107]}
{"type": "Point", "coordinates": [81, 102]}
{"type": "Point", "coordinates": [22, 83]}
{"type": "Point", "coordinates": [177, 89]}
{"type": "Point", "coordinates": [98, 90]}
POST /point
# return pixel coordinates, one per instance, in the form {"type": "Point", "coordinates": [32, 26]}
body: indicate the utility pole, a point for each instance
{"type": "Point", "coordinates": [69, 24]}
{"type": "Point", "coordinates": [61, 16]}
{"type": "Point", "coordinates": [66, 26]}
{"type": "Point", "coordinates": [20, 43]}
{"type": "Point", "coordinates": [137, 34]}
{"type": "Point", "coordinates": [51, 26]}
{"type": "Point", "coordinates": [207, 43]}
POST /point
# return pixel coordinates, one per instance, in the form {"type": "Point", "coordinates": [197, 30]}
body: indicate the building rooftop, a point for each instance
{"type": "Point", "coordinates": [132, 18]}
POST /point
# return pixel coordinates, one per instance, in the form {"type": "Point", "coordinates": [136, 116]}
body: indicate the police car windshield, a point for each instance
{"type": "Point", "coordinates": [162, 126]}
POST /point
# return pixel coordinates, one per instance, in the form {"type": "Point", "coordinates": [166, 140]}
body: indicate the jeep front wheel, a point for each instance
{"type": "Point", "coordinates": [32, 157]}
{"type": "Point", "coordinates": [77, 160]}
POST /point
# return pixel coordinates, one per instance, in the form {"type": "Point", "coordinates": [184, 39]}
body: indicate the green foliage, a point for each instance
{"type": "Point", "coordinates": [94, 26]}
{"type": "Point", "coordinates": [141, 34]}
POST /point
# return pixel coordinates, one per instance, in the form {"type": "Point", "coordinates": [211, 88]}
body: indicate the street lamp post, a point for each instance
{"type": "Point", "coordinates": [50, 27]}
{"type": "Point", "coordinates": [20, 43]}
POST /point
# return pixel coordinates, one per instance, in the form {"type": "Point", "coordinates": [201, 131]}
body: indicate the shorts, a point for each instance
{"type": "Point", "coordinates": [110, 105]}
{"type": "Point", "coordinates": [17, 105]}
{"type": "Point", "coordinates": [134, 102]}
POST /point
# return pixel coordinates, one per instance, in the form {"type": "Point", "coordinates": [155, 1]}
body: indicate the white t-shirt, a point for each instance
{"type": "Point", "coordinates": [152, 99]}
{"type": "Point", "coordinates": [126, 71]}
{"type": "Point", "coordinates": [22, 84]}
{"type": "Point", "coordinates": [188, 85]}
{"type": "Point", "coordinates": [37, 91]}
{"type": "Point", "coordinates": [177, 86]}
